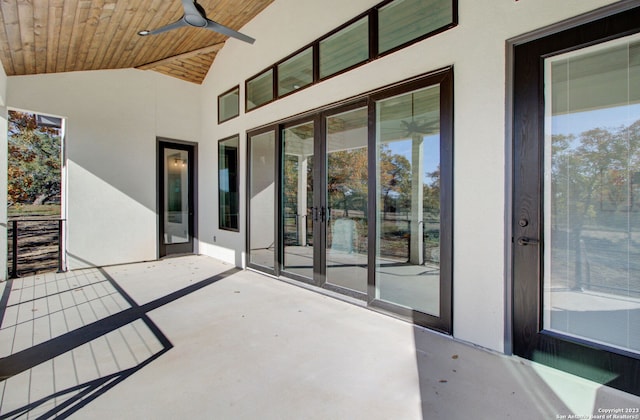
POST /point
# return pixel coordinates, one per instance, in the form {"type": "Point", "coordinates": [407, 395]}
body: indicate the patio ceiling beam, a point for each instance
{"type": "Point", "coordinates": [189, 54]}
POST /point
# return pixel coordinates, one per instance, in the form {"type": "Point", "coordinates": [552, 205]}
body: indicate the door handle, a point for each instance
{"type": "Point", "coordinates": [524, 241]}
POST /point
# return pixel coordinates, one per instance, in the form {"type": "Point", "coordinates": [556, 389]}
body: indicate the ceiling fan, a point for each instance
{"type": "Point", "coordinates": [194, 15]}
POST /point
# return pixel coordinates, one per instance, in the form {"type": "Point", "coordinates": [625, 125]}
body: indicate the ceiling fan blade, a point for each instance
{"type": "Point", "coordinates": [215, 26]}
{"type": "Point", "coordinates": [177, 24]}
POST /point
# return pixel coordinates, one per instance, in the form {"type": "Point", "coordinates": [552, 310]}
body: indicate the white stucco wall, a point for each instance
{"type": "Point", "coordinates": [112, 120]}
{"type": "Point", "coordinates": [476, 49]}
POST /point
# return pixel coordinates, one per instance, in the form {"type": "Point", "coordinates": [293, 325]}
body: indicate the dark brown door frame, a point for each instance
{"type": "Point", "coordinates": [274, 128]}
{"type": "Point", "coordinates": [593, 361]}
{"type": "Point", "coordinates": [191, 148]}
{"type": "Point", "coordinates": [444, 322]}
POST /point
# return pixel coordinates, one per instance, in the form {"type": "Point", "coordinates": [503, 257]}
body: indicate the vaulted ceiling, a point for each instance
{"type": "Point", "coordinates": [53, 36]}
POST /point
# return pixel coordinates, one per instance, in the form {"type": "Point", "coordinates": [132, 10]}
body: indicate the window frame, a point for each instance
{"type": "Point", "coordinates": [371, 54]}
{"type": "Point", "coordinates": [236, 184]}
{"type": "Point", "coordinates": [378, 54]}
{"type": "Point", "coordinates": [221, 98]}
{"type": "Point", "coordinates": [271, 69]}
{"type": "Point", "coordinates": [289, 58]}
{"type": "Point", "coordinates": [372, 16]}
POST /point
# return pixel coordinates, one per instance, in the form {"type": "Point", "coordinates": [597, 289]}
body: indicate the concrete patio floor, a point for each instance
{"type": "Point", "coordinates": [194, 338]}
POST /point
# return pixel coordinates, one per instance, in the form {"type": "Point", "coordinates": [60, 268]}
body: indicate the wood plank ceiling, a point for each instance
{"type": "Point", "coordinates": [53, 36]}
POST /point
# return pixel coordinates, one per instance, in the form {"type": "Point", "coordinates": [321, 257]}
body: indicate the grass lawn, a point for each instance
{"type": "Point", "coordinates": [29, 210]}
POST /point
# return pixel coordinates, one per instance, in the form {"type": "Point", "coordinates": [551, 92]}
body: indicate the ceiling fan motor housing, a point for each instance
{"type": "Point", "coordinates": [195, 20]}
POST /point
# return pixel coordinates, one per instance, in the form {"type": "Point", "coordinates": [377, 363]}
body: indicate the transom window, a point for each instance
{"type": "Point", "coordinates": [296, 72]}
{"type": "Point", "coordinates": [260, 90]}
{"type": "Point", "coordinates": [403, 21]}
{"type": "Point", "coordinates": [383, 29]}
{"type": "Point", "coordinates": [229, 105]}
{"type": "Point", "coordinates": [345, 48]}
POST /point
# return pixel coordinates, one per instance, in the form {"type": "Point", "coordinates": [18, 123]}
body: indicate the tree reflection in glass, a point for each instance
{"type": "Point", "coordinates": [408, 225]}
{"type": "Point", "coordinates": [592, 194]}
{"type": "Point", "coordinates": [347, 195]}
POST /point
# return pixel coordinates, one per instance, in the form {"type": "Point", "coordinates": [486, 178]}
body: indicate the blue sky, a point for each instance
{"type": "Point", "coordinates": [609, 118]}
{"type": "Point", "coordinates": [431, 158]}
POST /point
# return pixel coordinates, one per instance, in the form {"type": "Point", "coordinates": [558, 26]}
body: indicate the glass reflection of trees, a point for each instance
{"type": "Point", "coordinates": [395, 205]}
{"type": "Point", "coordinates": [595, 210]}
{"type": "Point", "coordinates": [347, 181]}
{"type": "Point", "coordinates": [347, 189]}
{"type": "Point", "coordinates": [292, 214]}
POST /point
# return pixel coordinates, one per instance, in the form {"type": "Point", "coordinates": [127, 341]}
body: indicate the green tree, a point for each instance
{"type": "Point", "coordinates": [592, 181]}
{"type": "Point", "coordinates": [347, 180]}
{"type": "Point", "coordinates": [33, 160]}
{"type": "Point", "coordinates": [395, 179]}
{"type": "Point", "coordinates": [431, 193]}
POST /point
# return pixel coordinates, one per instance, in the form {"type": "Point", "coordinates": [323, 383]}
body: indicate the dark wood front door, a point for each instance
{"type": "Point", "coordinates": [576, 205]}
{"type": "Point", "coordinates": [176, 177]}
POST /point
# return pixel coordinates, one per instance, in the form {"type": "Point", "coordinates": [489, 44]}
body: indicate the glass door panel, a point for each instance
{"type": "Point", "coordinates": [592, 194]}
{"type": "Point", "coordinates": [262, 192]}
{"type": "Point", "coordinates": [297, 199]}
{"type": "Point", "coordinates": [346, 192]}
{"type": "Point", "coordinates": [176, 197]}
{"type": "Point", "coordinates": [408, 197]}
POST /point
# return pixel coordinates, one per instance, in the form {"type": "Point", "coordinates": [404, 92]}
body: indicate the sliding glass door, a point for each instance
{"type": "Point", "coordinates": [299, 206]}
{"type": "Point", "coordinates": [347, 191]}
{"type": "Point", "coordinates": [324, 214]}
{"type": "Point", "coordinates": [361, 196]}
{"type": "Point", "coordinates": [413, 178]}
{"type": "Point", "coordinates": [261, 189]}
{"type": "Point", "coordinates": [408, 220]}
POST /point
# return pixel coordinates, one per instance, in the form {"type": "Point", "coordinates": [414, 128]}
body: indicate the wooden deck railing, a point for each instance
{"type": "Point", "coordinates": [15, 246]}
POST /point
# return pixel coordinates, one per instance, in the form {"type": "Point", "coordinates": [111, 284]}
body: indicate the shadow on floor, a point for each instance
{"type": "Point", "coordinates": [68, 401]}
{"type": "Point", "coordinates": [72, 366]}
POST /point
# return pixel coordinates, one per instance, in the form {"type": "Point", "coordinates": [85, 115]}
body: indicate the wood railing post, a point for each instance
{"type": "Point", "coordinates": [60, 247]}
{"type": "Point", "coordinates": [14, 251]}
